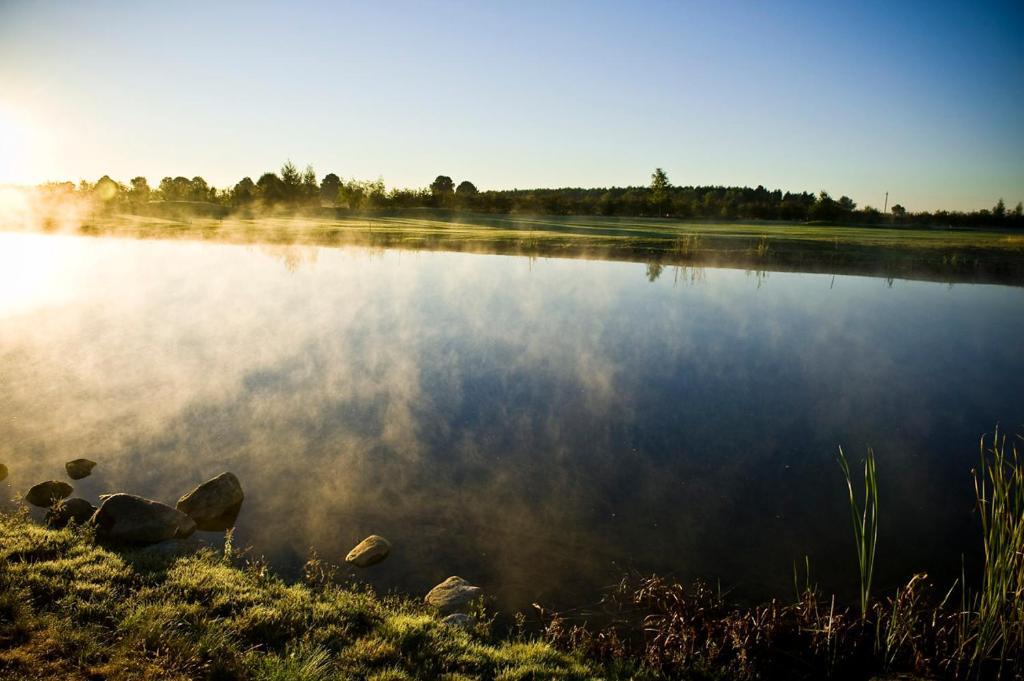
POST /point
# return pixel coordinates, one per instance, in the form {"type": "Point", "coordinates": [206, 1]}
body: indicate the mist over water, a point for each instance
{"type": "Point", "coordinates": [534, 425]}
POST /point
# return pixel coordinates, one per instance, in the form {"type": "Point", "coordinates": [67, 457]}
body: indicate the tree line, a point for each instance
{"type": "Point", "coordinates": [295, 190]}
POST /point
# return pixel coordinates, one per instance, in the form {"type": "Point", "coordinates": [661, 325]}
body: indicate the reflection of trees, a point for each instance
{"type": "Point", "coordinates": [292, 256]}
{"type": "Point", "coordinates": [654, 270]}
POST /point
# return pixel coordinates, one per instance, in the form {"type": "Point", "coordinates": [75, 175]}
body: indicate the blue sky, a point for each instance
{"type": "Point", "coordinates": [924, 100]}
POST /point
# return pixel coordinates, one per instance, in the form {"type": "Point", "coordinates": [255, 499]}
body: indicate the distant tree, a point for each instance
{"type": "Point", "coordinates": [352, 195]}
{"type": "Point", "coordinates": [310, 190]}
{"type": "Point", "coordinates": [898, 210]}
{"type": "Point", "coordinates": [106, 189]}
{"type": "Point", "coordinates": [825, 208]}
{"type": "Point", "coordinates": [442, 187]}
{"type": "Point", "coordinates": [659, 191]}
{"type": "Point", "coordinates": [1000, 209]}
{"type": "Point", "coordinates": [846, 204]}
{"type": "Point", "coordinates": [139, 192]}
{"type": "Point", "coordinates": [466, 188]}
{"type": "Point", "coordinates": [1018, 210]}
{"type": "Point", "coordinates": [270, 189]}
{"type": "Point", "coordinates": [291, 182]}
{"type": "Point", "coordinates": [329, 187]}
{"type": "Point", "coordinates": [244, 192]}
{"type": "Point", "coordinates": [376, 194]}
{"type": "Point", "coordinates": [198, 189]}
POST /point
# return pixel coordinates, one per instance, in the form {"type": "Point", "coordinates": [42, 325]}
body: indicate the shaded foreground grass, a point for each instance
{"type": "Point", "coordinates": [70, 609]}
{"type": "Point", "coordinates": [962, 255]}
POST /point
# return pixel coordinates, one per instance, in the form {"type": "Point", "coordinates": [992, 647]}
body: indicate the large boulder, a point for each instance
{"type": "Point", "coordinates": [451, 595]}
{"type": "Point", "coordinates": [130, 519]}
{"type": "Point", "coordinates": [46, 494]}
{"type": "Point", "coordinates": [370, 551]}
{"type": "Point", "coordinates": [214, 505]}
{"type": "Point", "coordinates": [63, 512]}
{"type": "Point", "coordinates": [79, 468]}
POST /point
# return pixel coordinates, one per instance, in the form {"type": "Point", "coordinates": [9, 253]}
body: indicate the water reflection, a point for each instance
{"type": "Point", "coordinates": [533, 425]}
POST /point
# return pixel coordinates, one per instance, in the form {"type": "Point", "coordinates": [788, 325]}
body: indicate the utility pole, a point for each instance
{"type": "Point", "coordinates": [886, 208]}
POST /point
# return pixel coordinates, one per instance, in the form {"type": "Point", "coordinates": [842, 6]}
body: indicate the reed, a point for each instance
{"type": "Point", "coordinates": [865, 524]}
{"type": "Point", "coordinates": [999, 487]}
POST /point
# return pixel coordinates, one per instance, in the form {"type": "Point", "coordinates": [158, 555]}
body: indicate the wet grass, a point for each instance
{"type": "Point", "coordinates": [70, 609]}
{"type": "Point", "coordinates": [954, 255]}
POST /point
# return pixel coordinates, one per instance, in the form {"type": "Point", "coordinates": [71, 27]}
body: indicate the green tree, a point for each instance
{"type": "Point", "coordinates": [1018, 210]}
{"type": "Point", "coordinates": [270, 189]}
{"type": "Point", "coordinates": [442, 189]}
{"type": "Point", "coordinates": [291, 182]}
{"type": "Point", "coordinates": [898, 210]}
{"type": "Point", "coordinates": [139, 193]}
{"type": "Point", "coordinates": [106, 189]}
{"type": "Point", "coordinates": [329, 187]}
{"type": "Point", "coordinates": [198, 189]}
{"type": "Point", "coordinates": [1000, 209]}
{"type": "Point", "coordinates": [310, 190]}
{"type": "Point", "coordinates": [352, 195]}
{"type": "Point", "coordinates": [659, 191]}
{"type": "Point", "coordinates": [244, 192]}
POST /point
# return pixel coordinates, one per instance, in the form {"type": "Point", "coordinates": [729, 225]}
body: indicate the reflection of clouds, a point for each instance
{"type": "Point", "coordinates": [532, 424]}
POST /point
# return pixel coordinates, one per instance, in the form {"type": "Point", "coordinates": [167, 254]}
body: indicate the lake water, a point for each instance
{"type": "Point", "coordinates": [536, 426]}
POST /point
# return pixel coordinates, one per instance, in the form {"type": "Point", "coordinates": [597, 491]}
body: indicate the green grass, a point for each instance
{"type": "Point", "coordinates": [935, 254]}
{"type": "Point", "coordinates": [70, 609]}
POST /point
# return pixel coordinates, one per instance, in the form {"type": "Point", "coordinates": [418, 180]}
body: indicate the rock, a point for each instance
{"type": "Point", "coordinates": [459, 620]}
{"type": "Point", "coordinates": [214, 505]}
{"type": "Point", "coordinates": [3, 472]}
{"type": "Point", "coordinates": [77, 509]}
{"type": "Point", "coordinates": [171, 548]}
{"type": "Point", "coordinates": [451, 595]}
{"type": "Point", "coordinates": [46, 494]}
{"type": "Point", "coordinates": [370, 551]}
{"type": "Point", "coordinates": [79, 468]}
{"type": "Point", "coordinates": [131, 519]}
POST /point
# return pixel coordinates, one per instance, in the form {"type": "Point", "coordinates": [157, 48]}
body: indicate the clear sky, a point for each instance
{"type": "Point", "coordinates": [921, 99]}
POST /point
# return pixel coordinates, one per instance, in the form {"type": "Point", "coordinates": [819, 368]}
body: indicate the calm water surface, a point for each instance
{"type": "Point", "coordinates": [536, 426]}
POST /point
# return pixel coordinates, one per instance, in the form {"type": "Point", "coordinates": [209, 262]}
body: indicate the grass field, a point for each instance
{"type": "Point", "coordinates": [915, 253]}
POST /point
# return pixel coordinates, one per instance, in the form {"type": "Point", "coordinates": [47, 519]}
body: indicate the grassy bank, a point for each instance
{"type": "Point", "coordinates": [895, 252]}
{"type": "Point", "coordinates": [70, 609]}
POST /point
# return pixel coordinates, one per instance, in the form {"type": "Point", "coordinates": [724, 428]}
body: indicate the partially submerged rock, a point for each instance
{"type": "Point", "coordinates": [451, 595]}
{"type": "Point", "coordinates": [130, 519]}
{"type": "Point", "coordinates": [63, 512]}
{"type": "Point", "coordinates": [46, 494]}
{"type": "Point", "coordinates": [79, 468]}
{"type": "Point", "coordinates": [214, 505]}
{"type": "Point", "coordinates": [3, 472]}
{"type": "Point", "coordinates": [370, 551]}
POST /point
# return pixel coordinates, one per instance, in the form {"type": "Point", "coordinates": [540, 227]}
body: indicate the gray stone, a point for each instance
{"type": "Point", "coordinates": [452, 595]}
{"type": "Point", "coordinates": [76, 509]}
{"type": "Point", "coordinates": [370, 551]}
{"type": "Point", "coordinates": [459, 620]}
{"type": "Point", "coordinates": [46, 494]}
{"type": "Point", "coordinates": [214, 505]}
{"type": "Point", "coordinates": [79, 468]}
{"type": "Point", "coordinates": [131, 519]}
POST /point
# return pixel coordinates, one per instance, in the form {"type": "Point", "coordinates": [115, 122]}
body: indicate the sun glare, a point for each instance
{"type": "Point", "coordinates": [21, 145]}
